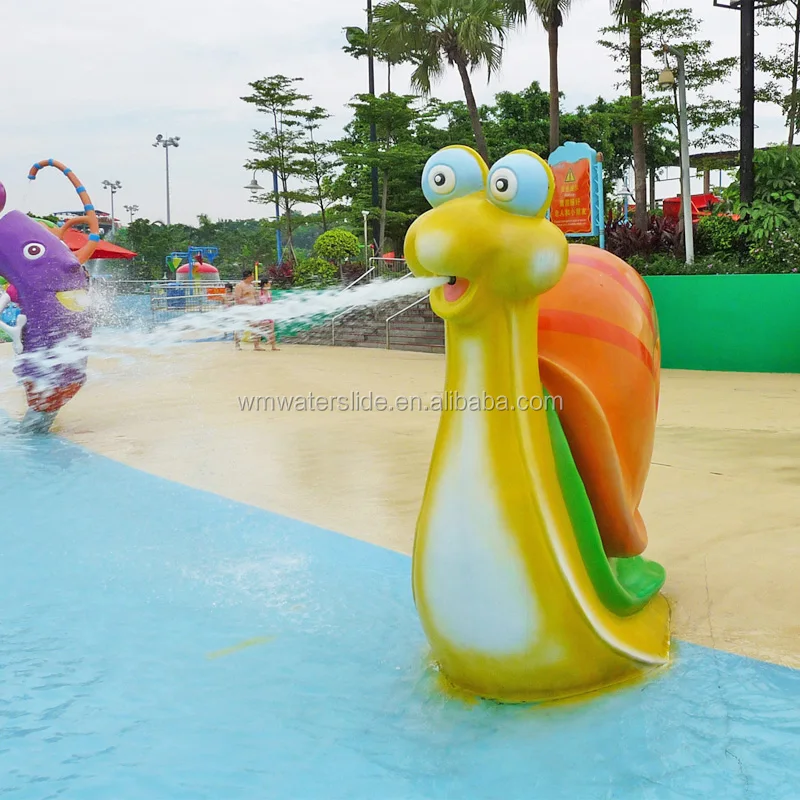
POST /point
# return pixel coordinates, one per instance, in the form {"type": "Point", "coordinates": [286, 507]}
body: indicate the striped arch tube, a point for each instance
{"type": "Point", "coordinates": [85, 253]}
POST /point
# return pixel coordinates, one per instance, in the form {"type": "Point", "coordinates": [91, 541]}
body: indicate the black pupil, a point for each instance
{"type": "Point", "coordinates": [439, 179]}
{"type": "Point", "coordinates": [501, 184]}
{"type": "Point", "coordinates": [34, 249]}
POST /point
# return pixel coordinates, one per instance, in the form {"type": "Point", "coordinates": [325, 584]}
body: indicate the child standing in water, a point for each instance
{"type": "Point", "coordinates": [12, 319]}
{"type": "Point", "coordinates": [269, 324]}
{"type": "Point", "coordinates": [244, 293]}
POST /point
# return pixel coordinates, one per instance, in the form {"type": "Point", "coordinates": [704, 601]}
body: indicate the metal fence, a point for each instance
{"type": "Point", "coordinates": [121, 285]}
{"type": "Point", "coordinates": [123, 300]}
{"type": "Point", "coordinates": [386, 268]}
{"type": "Point", "coordinates": [169, 299]}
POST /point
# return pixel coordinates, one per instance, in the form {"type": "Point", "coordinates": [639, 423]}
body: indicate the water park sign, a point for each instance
{"type": "Point", "coordinates": [577, 207]}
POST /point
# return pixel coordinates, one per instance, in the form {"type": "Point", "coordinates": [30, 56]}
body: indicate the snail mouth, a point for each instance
{"type": "Point", "coordinates": [455, 289]}
{"type": "Point", "coordinates": [76, 300]}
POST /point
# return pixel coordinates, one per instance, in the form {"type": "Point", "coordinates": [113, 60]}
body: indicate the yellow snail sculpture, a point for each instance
{"type": "Point", "coordinates": [527, 568]}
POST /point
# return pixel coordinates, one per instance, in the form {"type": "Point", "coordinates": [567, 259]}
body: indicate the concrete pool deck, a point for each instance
{"type": "Point", "coordinates": [722, 503]}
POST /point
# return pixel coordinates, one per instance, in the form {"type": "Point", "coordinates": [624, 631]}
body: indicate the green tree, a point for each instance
{"type": "Point", "coordinates": [519, 120]}
{"type": "Point", "coordinates": [708, 116]}
{"type": "Point", "coordinates": [551, 13]}
{"type": "Point", "coordinates": [315, 273]}
{"type": "Point", "coordinates": [628, 15]}
{"type": "Point", "coordinates": [337, 246]}
{"type": "Point", "coordinates": [358, 46]}
{"type": "Point", "coordinates": [239, 242]}
{"type": "Point", "coordinates": [399, 154]}
{"type": "Point", "coordinates": [783, 65]}
{"type": "Point", "coordinates": [280, 148]}
{"type": "Point", "coordinates": [317, 163]}
{"type": "Point", "coordinates": [770, 223]}
{"type": "Point", "coordinates": [448, 123]}
{"type": "Point", "coordinates": [430, 34]}
{"type": "Point", "coordinates": [307, 232]}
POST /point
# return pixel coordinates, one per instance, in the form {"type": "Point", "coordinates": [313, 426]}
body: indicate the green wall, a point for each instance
{"type": "Point", "coordinates": [729, 323]}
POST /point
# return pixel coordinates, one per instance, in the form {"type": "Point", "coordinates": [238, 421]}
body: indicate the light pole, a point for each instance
{"type": "Point", "coordinates": [254, 189]}
{"type": "Point", "coordinates": [373, 133]}
{"type": "Point", "coordinates": [113, 186]}
{"type": "Point", "coordinates": [131, 210]}
{"type": "Point", "coordinates": [365, 214]}
{"type": "Point", "coordinates": [166, 143]}
{"type": "Point", "coordinates": [666, 79]}
{"type": "Point", "coordinates": [626, 196]}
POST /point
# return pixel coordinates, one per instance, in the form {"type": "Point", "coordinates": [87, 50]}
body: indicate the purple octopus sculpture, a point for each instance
{"type": "Point", "coordinates": [51, 287]}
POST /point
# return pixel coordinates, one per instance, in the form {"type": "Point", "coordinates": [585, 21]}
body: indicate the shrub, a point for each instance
{"type": "Point", "coordinates": [281, 275]}
{"type": "Point", "coordinates": [665, 264]}
{"type": "Point", "coordinates": [316, 273]}
{"type": "Point", "coordinates": [626, 240]}
{"type": "Point", "coordinates": [777, 172]}
{"type": "Point", "coordinates": [352, 270]}
{"type": "Point", "coordinates": [778, 252]}
{"type": "Point", "coordinates": [337, 246]}
{"type": "Point", "coordinates": [719, 234]}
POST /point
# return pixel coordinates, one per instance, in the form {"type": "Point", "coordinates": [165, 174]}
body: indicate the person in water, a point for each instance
{"type": "Point", "coordinates": [267, 325]}
{"type": "Point", "coordinates": [12, 320]}
{"type": "Point", "coordinates": [245, 294]}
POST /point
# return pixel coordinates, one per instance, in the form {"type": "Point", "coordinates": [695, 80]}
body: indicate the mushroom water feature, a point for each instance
{"type": "Point", "coordinates": [52, 288]}
{"type": "Point", "coordinates": [527, 569]}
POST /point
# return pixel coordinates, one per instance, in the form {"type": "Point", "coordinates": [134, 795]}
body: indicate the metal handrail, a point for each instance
{"type": "Point", "coordinates": [349, 285]}
{"type": "Point", "coordinates": [387, 267]}
{"type": "Point", "coordinates": [402, 311]}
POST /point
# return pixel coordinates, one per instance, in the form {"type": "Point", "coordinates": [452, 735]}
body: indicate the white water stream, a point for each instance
{"type": "Point", "coordinates": [133, 345]}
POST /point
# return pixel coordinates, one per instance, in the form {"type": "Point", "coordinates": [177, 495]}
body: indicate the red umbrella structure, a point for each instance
{"type": "Point", "coordinates": [75, 240]}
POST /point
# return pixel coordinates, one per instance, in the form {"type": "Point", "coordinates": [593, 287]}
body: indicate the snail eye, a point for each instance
{"type": "Point", "coordinates": [33, 251]}
{"type": "Point", "coordinates": [442, 179]}
{"type": "Point", "coordinates": [453, 172]}
{"type": "Point", "coordinates": [503, 185]}
{"type": "Point", "coordinates": [521, 183]}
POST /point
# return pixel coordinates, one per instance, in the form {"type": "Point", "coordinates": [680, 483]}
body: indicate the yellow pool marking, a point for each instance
{"type": "Point", "coordinates": [241, 646]}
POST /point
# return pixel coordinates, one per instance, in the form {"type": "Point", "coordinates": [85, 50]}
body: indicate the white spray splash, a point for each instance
{"type": "Point", "coordinates": [134, 345]}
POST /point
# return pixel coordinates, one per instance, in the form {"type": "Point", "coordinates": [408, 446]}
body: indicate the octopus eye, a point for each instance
{"type": "Point", "coordinates": [33, 251]}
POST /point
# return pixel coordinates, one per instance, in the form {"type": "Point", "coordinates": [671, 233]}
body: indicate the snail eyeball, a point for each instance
{"type": "Point", "coordinates": [453, 172]}
{"type": "Point", "coordinates": [521, 183]}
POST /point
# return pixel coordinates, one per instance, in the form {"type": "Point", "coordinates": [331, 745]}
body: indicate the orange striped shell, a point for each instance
{"type": "Point", "coordinates": [599, 351]}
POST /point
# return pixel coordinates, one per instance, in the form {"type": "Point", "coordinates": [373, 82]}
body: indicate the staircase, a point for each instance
{"type": "Point", "coordinates": [416, 328]}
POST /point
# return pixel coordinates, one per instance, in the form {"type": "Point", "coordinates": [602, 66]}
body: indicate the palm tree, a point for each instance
{"type": "Point", "coordinates": [358, 47]}
{"type": "Point", "coordinates": [431, 34]}
{"type": "Point", "coordinates": [629, 13]}
{"type": "Point", "coordinates": [552, 13]}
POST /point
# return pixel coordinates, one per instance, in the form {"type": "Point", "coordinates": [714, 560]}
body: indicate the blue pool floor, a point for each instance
{"type": "Point", "coordinates": [164, 643]}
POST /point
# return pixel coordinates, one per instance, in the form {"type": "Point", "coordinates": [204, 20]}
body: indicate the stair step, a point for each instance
{"type": "Point", "coordinates": [416, 329]}
{"type": "Point", "coordinates": [421, 348]}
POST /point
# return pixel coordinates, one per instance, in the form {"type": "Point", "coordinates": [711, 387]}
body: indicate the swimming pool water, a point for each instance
{"type": "Point", "coordinates": [160, 642]}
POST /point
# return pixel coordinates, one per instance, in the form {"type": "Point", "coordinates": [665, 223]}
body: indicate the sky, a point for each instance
{"type": "Point", "coordinates": [92, 84]}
